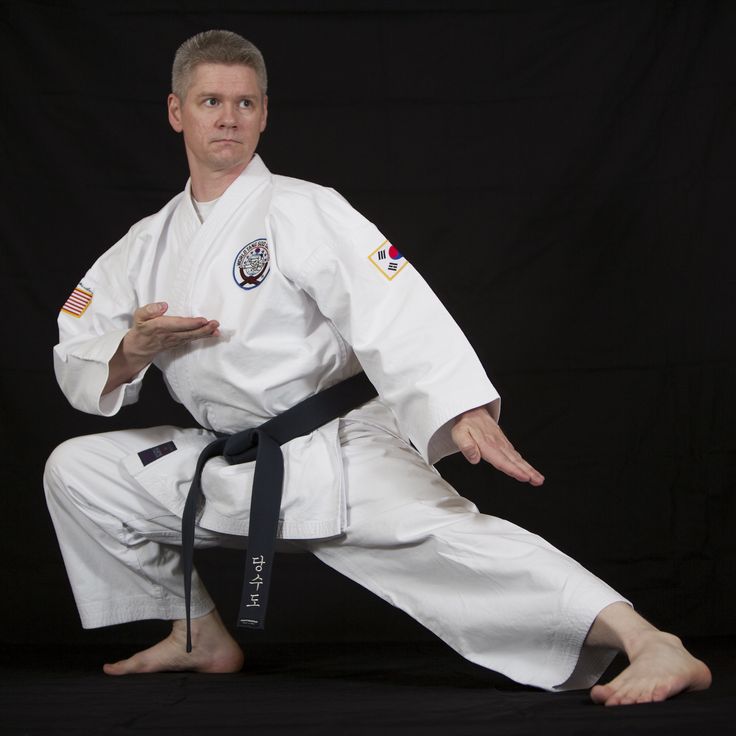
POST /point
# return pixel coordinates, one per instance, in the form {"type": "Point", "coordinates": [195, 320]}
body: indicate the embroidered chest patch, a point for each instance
{"type": "Point", "coordinates": [77, 302]}
{"type": "Point", "coordinates": [252, 264]}
{"type": "Point", "coordinates": [387, 259]}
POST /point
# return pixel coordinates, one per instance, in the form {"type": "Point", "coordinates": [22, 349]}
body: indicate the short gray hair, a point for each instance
{"type": "Point", "coordinates": [215, 47]}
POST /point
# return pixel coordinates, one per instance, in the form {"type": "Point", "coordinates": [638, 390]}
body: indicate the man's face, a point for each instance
{"type": "Point", "coordinates": [222, 117]}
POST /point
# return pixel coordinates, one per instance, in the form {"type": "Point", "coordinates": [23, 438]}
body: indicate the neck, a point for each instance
{"type": "Point", "coordinates": [208, 185]}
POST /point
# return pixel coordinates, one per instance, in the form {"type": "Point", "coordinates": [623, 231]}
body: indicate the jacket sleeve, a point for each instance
{"type": "Point", "coordinates": [407, 343]}
{"type": "Point", "coordinates": [92, 323]}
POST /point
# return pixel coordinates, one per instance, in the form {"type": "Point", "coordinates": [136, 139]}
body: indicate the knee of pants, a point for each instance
{"type": "Point", "coordinates": [54, 470]}
{"type": "Point", "coordinates": [60, 467]}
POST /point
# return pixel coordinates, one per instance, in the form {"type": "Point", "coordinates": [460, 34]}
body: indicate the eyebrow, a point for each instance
{"type": "Point", "coordinates": [206, 95]}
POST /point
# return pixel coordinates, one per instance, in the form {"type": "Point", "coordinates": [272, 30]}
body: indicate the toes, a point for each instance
{"type": "Point", "coordinates": [115, 668]}
{"type": "Point", "coordinates": [622, 698]}
{"type": "Point", "coordinates": [615, 693]}
{"type": "Point", "coordinates": [600, 693]}
{"type": "Point", "coordinates": [129, 666]}
{"type": "Point", "coordinates": [660, 693]}
{"type": "Point", "coordinates": [634, 693]}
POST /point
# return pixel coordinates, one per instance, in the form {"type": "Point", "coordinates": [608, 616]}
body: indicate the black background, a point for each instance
{"type": "Point", "coordinates": [562, 173]}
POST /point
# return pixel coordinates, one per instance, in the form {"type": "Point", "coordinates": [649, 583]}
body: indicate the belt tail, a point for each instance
{"type": "Point", "coordinates": [262, 530]}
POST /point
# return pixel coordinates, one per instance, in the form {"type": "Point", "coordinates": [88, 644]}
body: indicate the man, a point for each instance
{"type": "Point", "coordinates": [306, 293]}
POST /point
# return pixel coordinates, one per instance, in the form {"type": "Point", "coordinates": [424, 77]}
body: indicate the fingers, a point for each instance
{"type": "Point", "coordinates": [153, 331]}
{"type": "Point", "coordinates": [185, 326]}
{"type": "Point", "coordinates": [509, 461]}
{"type": "Point", "coordinates": [477, 436]}
{"type": "Point", "coordinates": [182, 330]}
{"type": "Point", "coordinates": [151, 318]}
{"type": "Point", "coordinates": [503, 455]}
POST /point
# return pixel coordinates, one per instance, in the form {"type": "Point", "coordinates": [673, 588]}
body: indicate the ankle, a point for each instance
{"type": "Point", "coordinates": [636, 641]}
{"type": "Point", "coordinates": [619, 626]}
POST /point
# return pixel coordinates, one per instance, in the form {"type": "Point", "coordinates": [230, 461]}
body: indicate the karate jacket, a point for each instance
{"type": "Point", "coordinates": [308, 292]}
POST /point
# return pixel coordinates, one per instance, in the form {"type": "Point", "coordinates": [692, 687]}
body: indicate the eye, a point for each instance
{"type": "Point", "coordinates": [210, 102]}
{"type": "Point", "coordinates": [246, 103]}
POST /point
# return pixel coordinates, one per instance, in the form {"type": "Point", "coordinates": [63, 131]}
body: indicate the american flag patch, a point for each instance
{"type": "Point", "coordinates": [387, 259]}
{"type": "Point", "coordinates": [77, 302]}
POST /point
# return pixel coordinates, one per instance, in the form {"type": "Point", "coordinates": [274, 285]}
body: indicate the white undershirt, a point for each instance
{"type": "Point", "coordinates": [203, 209]}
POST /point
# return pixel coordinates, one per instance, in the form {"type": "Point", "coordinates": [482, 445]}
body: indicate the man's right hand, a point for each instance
{"type": "Point", "coordinates": [152, 333]}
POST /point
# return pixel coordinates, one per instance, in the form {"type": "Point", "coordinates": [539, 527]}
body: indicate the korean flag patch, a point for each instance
{"type": "Point", "coordinates": [387, 259]}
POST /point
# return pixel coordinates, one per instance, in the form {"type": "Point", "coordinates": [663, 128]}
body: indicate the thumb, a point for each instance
{"type": "Point", "coordinates": [156, 309]}
{"type": "Point", "coordinates": [471, 453]}
{"type": "Point", "coordinates": [468, 447]}
{"type": "Point", "coordinates": [148, 312]}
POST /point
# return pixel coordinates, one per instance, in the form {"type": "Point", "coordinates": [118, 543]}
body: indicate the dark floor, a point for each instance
{"type": "Point", "coordinates": [304, 689]}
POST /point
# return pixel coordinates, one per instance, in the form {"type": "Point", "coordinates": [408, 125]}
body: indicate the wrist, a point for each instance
{"type": "Point", "coordinates": [132, 354]}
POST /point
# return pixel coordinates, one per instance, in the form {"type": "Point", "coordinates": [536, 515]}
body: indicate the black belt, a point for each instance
{"type": "Point", "coordinates": [262, 444]}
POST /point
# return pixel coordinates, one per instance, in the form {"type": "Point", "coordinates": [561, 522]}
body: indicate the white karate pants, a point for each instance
{"type": "Point", "coordinates": [497, 594]}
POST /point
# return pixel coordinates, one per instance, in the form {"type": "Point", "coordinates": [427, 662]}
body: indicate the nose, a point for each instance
{"type": "Point", "coordinates": [228, 118]}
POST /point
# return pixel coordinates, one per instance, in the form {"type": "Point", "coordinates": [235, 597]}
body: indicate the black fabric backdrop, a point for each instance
{"type": "Point", "coordinates": [562, 173]}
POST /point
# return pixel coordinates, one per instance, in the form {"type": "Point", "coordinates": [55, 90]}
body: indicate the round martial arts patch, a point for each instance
{"type": "Point", "coordinates": [252, 264]}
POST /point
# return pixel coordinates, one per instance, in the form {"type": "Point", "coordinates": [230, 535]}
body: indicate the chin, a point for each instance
{"type": "Point", "coordinates": [225, 164]}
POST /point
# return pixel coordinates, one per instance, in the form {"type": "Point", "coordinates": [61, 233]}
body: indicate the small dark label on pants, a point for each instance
{"type": "Point", "coordinates": [154, 453]}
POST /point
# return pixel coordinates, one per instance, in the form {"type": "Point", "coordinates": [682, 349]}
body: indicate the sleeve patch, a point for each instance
{"type": "Point", "coordinates": [77, 302]}
{"type": "Point", "coordinates": [388, 260]}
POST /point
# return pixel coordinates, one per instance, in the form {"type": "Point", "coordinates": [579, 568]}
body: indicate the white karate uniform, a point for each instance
{"type": "Point", "coordinates": [307, 292]}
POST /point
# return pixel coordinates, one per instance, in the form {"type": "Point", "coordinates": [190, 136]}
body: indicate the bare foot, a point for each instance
{"type": "Point", "coordinates": [660, 668]}
{"type": "Point", "coordinates": [213, 650]}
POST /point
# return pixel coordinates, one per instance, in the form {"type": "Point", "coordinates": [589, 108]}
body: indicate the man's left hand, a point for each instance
{"type": "Point", "coordinates": [477, 435]}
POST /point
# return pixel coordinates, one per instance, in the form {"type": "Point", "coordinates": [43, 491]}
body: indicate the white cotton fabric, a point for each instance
{"type": "Point", "coordinates": [360, 492]}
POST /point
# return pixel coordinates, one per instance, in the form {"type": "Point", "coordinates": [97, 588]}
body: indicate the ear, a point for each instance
{"type": "Point", "coordinates": [264, 117]}
{"type": "Point", "coordinates": [174, 105]}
